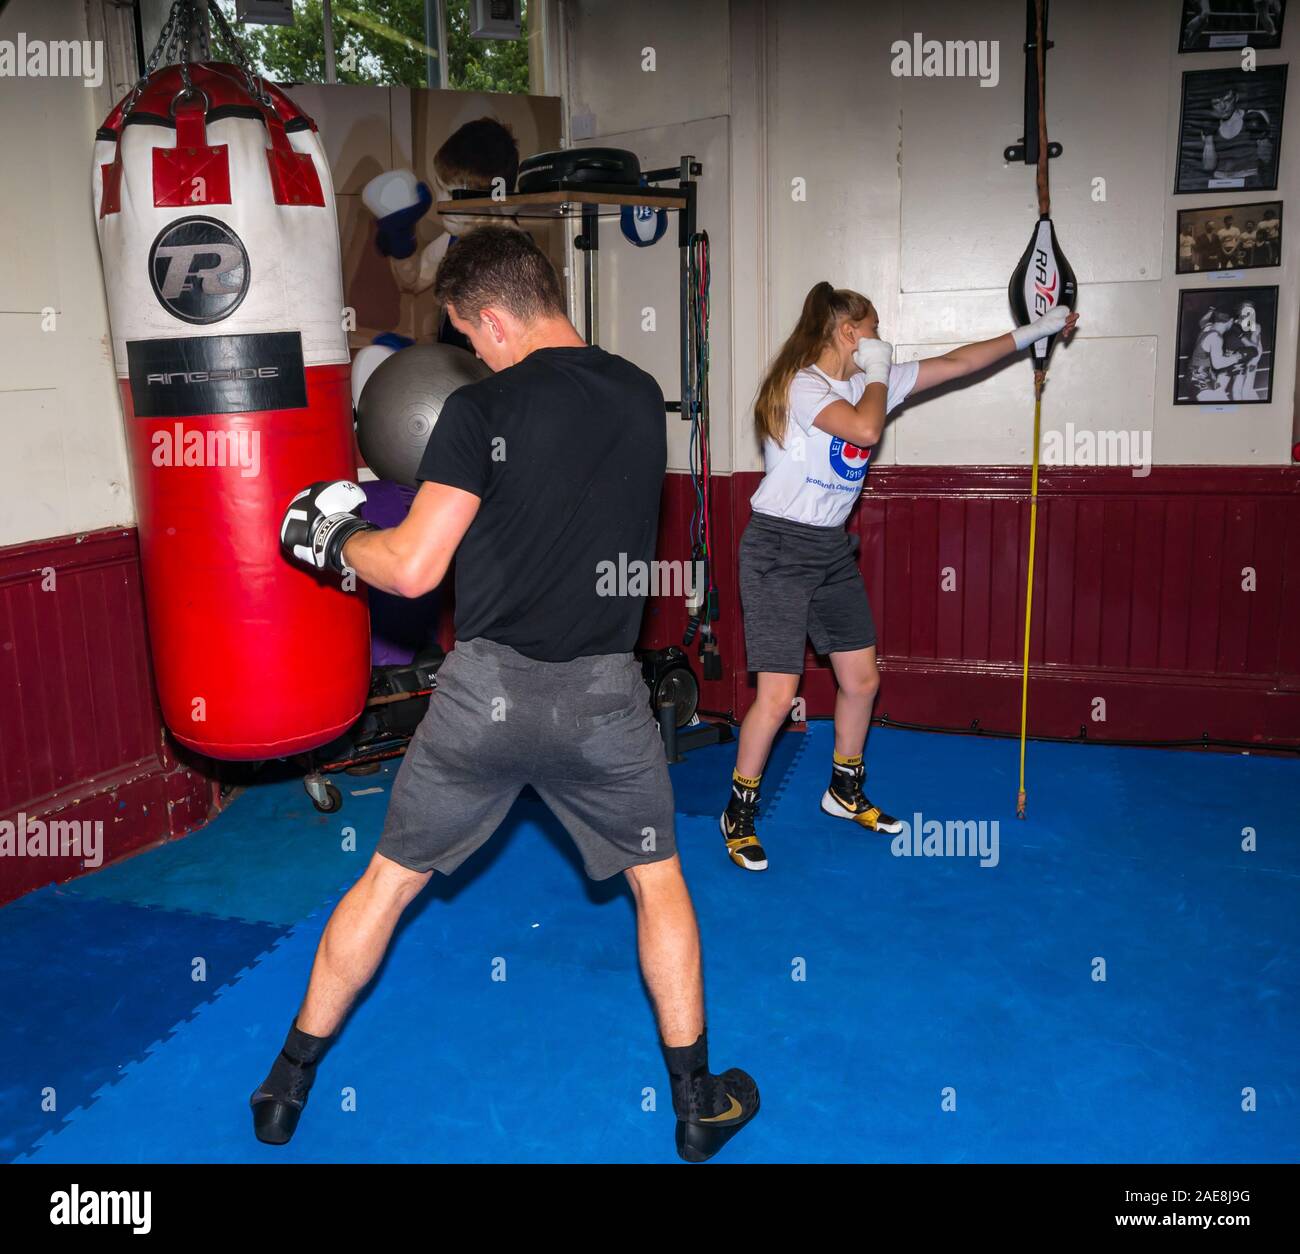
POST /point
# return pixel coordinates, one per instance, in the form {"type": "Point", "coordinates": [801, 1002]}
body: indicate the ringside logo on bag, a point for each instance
{"type": "Point", "coordinates": [199, 269]}
{"type": "Point", "coordinates": [216, 374]}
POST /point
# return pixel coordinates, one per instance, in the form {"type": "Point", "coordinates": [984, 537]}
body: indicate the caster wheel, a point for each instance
{"type": "Point", "coordinates": [330, 802]}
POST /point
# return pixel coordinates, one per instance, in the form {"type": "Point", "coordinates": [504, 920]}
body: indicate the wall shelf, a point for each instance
{"type": "Point", "coordinates": [566, 202]}
{"type": "Point", "coordinates": [590, 203]}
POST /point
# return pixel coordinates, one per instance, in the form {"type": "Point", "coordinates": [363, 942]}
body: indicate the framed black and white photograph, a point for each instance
{"type": "Point", "coordinates": [1230, 129]}
{"type": "Point", "coordinates": [1213, 25]}
{"type": "Point", "coordinates": [1229, 237]}
{"type": "Point", "coordinates": [1225, 345]}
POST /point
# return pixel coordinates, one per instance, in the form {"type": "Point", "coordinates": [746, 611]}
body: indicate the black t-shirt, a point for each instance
{"type": "Point", "coordinates": [567, 450]}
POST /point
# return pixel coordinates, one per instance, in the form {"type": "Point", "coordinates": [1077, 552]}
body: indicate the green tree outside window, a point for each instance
{"type": "Point", "coordinates": [381, 42]}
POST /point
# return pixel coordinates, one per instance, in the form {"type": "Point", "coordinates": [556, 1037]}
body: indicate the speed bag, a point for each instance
{"type": "Point", "coordinates": [220, 250]}
{"type": "Point", "coordinates": [1041, 280]}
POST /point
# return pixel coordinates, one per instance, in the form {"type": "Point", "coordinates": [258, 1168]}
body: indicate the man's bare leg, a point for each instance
{"type": "Point", "coordinates": [668, 942]}
{"type": "Point", "coordinates": [710, 1109]}
{"type": "Point", "coordinates": [349, 953]}
{"type": "Point", "coordinates": [355, 941]}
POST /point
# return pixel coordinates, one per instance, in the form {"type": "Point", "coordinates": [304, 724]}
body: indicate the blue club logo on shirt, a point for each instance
{"type": "Point", "coordinates": [848, 460]}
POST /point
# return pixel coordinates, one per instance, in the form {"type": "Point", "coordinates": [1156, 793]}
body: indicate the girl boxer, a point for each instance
{"type": "Point", "coordinates": [820, 411]}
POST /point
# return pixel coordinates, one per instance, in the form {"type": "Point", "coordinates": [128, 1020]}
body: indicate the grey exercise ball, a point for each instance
{"type": "Point", "coordinates": [402, 400]}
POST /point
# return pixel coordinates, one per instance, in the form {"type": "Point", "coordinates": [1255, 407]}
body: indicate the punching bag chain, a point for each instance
{"type": "Point", "coordinates": [183, 24]}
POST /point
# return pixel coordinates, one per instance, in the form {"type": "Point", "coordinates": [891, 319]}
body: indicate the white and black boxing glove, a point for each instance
{"type": "Point", "coordinates": [318, 522]}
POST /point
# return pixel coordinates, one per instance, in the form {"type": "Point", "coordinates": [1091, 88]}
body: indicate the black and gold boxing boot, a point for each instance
{"type": "Point", "coordinates": [844, 799]}
{"type": "Point", "coordinates": [737, 824]}
{"type": "Point", "coordinates": [710, 1108]}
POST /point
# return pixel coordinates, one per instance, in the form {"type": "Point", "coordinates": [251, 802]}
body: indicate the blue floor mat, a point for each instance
{"type": "Point", "coordinates": [861, 988]}
{"type": "Point", "coordinates": [271, 857]}
{"type": "Point", "coordinates": [87, 986]}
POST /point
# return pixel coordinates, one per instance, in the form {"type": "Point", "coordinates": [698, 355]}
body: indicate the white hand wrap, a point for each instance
{"type": "Point", "coordinates": [1051, 323]}
{"type": "Point", "coordinates": [875, 357]}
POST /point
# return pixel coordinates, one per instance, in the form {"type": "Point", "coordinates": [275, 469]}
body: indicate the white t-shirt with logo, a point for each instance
{"type": "Point", "coordinates": [817, 476]}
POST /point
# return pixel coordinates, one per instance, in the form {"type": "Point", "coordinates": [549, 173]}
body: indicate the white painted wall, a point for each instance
{"type": "Point", "coordinates": [638, 302]}
{"type": "Point", "coordinates": [63, 466]}
{"type": "Point", "coordinates": [909, 201]}
{"type": "Point", "coordinates": [632, 85]}
{"type": "Point", "coordinates": [609, 91]}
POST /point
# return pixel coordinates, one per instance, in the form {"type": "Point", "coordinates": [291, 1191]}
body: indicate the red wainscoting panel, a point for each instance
{"type": "Point", "coordinates": [80, 734]}
{"type": "Point", "coordinates": [1138, 600]}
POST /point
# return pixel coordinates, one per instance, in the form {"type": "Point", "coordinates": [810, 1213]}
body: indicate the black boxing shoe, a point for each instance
{"type": "Point", "coordinates": [278, 1102]}
{"type": "Point", "coordinates": [732, 1100]}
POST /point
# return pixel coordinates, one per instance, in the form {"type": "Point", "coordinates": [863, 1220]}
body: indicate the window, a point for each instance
{"type": "Point", "coordinates": [387, 43]}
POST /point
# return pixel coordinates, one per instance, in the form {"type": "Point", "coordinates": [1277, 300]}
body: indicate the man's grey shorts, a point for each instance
{"type": "Point", "coordinates": [580, 732]}
{"type": "Point", "coordinates": [799, 582]}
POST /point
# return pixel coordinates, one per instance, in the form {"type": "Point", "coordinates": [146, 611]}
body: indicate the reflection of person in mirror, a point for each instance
{"type": "Point", "coordinates": [1240, 145]}
{"type": "Point", "coordinates": [1243, 340]}
{"type": "Point", "coordinates": [483, 156]}
{"type": "Point", "coordinates": [1209, 369]}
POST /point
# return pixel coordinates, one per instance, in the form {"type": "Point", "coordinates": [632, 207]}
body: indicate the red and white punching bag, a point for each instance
{"type": "Point", "coordinates": [220, 249]}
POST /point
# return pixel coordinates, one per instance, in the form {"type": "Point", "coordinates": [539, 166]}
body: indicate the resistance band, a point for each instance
{"type": "Point", "coordinates": [701, 533]}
